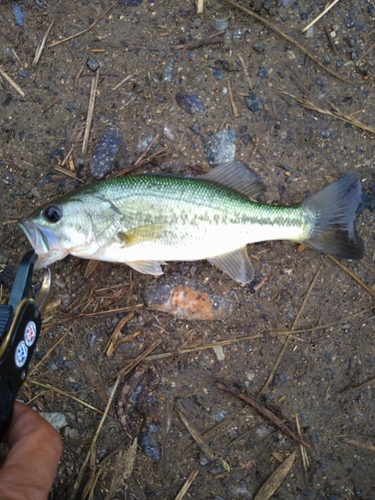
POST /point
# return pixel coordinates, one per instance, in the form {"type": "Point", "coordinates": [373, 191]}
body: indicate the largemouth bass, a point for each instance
{"type": "Point", "coordinates": [146, 220]}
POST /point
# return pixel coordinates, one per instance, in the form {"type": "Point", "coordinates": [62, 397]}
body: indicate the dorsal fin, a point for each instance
{"type": "Point", "coordinates": [236, 175]}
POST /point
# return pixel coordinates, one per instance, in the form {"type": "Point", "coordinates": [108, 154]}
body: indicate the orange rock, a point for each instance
{"type": "Point", "coordinates": [186, 299]}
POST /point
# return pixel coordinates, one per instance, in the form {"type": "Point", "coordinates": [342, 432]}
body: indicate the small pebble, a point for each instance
{"type": "Point", "coordinates": [130, 3]}
{"type": "Point", "coordinates": [196, 128]}
{"type": "Point", "coordinates": [268, 4]}
{"type": "Point", "coordinates": [349, 23]}
{"type": "Point", "coordinates": [254, 103]}
{"type": "Point", "coordinates": [354, 55]}
{"type": "Point", "coordinates": [167, 132]}
{"type": "Point", "coordinates": [220, 148]}
{"type": "Point", "coordinates": [339, 64]}
{"type": "Point", "coordinates": [218, 74]}
{"type": "Point", "coordinates": [144, 142]}
{"type": "Point", "coordinates": [168, 72]}
{"type": "Point", "coordinates": [203, 460]}
{"type": "Point", "coordinates": [262, 73]}
{"type": "Point", "coordinates": [257, 46]}
{"type": "Point", "coordinates": [105, 152]}
{"type": "Point", "coordinates": [319, 82]}
{"type": "Point", "coordinates": [148, 445]}
{"type": "Point", "coordinates": [190, 102]}
{"type": "Point", "coordinates": [237, 34]}
{"type": "Point", "coordinates": [92, 63]}
{"type": "Point", "coordinates": [56, 419]}
{"type": "Point", "coordinates": [325, 133]}
{"type": "Point", "coordinates": [18, 14]}
{"type": "Point", "coordinates": [304, 16]}
{"type": "Point", "coordinates": [351, 41]}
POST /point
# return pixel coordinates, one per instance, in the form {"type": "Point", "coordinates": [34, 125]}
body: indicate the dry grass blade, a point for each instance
{"type": "Point", "coordinates": [196, 435]}
{"type": "Point", "coordinates": [231, 98]}
{"type": "Point", "coordinates": [51, 349]}
{"type": "Point", "coordinates": [328, 8]}
{"type": "Point", "coordinates": [90, 112]}
{"type": "Point", "coordinates": [126, 79]}
{"type": "Point", "coordinates": [187, 484]}
{"type": "Point", "coordinates": [91, 453]}
{"type": "Point", "coordinates": [200, 6]}
{"type": "Point", "coordinates": [42, 44]}
{"type": "Point", "coordinates": [85, 30]}
{"type": "Point", "coordinates": [94, 380]}
{"type": "Point", "coordinates": [305, 458]}
{"type": "Point", "coordinates": [110, 347]}
{"type": "Point", "coordinates": [68, 173]}
{"type": "Point", "coordinates": [354, 442]}
{"type": "Point", "coordinates": [63, 393]}
{"type": "Point", "coordinates": [336, 113]}
{"type": "Point", "coordinates": [275, 479]}
{"type": "Point", "coordinates": [12, 82]}
{"type": "Point", "coordinates": [290, 40]}
{"type": "Point", "coordinates": [130, 459]}
{"type": "Point", "coordinates": [198, 438]}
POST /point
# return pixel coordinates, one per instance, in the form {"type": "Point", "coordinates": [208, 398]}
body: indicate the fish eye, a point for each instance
{"type": "Point", "coordinates": [52, 214]}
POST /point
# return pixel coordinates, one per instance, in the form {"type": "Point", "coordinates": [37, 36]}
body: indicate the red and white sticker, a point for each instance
{"type": "Point", "coordinates": [30, 333]}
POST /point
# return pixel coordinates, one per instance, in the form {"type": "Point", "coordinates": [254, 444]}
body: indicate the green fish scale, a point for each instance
{"type": "Point", "coordinates": [194, 201]}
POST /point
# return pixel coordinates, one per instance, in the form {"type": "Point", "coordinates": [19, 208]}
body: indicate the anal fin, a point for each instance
{"type": "Point", "coordinates": [237, 264]}
{"type": "Point", "coordinates": [147, 266]}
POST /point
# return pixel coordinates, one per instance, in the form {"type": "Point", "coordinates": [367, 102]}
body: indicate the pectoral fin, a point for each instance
{"type": "Point", "coordinates": [237, 264]}
{"type": "Point", "coordinates": [141, 234]}
{"type": "Point", "coordinates": [238, 176]}
{"type": "Point", "coordinates": [147, 266]}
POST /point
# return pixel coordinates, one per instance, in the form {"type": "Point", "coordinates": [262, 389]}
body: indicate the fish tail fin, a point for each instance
{"type": "Point", "coordinates": [333, 210]}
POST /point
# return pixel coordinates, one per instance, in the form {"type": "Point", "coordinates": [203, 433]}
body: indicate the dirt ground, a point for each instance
{"type": "Point", "coordinates": [326, 374]}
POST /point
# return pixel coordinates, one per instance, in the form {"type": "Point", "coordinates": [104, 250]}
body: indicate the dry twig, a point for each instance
{"type": "Point", "coordinates": [264, 411]}
{"type": "Point", "coordinates": [366, 446]}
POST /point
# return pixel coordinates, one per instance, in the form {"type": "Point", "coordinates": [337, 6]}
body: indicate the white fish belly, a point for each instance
{"type": "Point", "coordinates": [199, 243]}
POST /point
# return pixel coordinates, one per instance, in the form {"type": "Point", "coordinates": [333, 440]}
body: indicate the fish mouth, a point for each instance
{"type": "Point", "coordinates": [43, 241]}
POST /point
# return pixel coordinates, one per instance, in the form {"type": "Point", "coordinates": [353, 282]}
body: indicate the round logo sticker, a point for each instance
{"type": "Point", "coordinates": [20, 356]}
{"type": "Point", "coordinates": [30, 333]}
